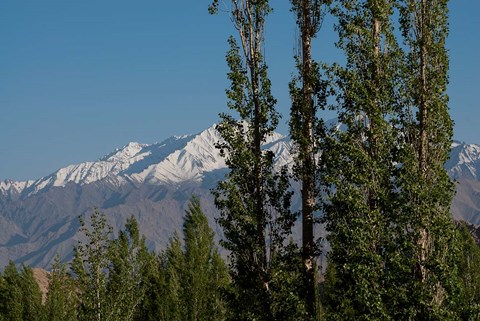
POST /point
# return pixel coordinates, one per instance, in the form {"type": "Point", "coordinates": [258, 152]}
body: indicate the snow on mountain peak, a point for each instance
{"type": "Point", "coordinates": [10, 186]}
{"type": "Point", "coordinates": [173, 161]}
{"type": "Point", "coordinates": [464, 161]}
{"type": "Point", "coordinates": [187, 158]}
{"type": "Point", "coordinates": [124, 153]}
{"type": "Point", "coordinates": [196, 157]}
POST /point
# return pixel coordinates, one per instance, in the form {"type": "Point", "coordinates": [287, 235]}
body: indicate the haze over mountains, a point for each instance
{"type": "Point", "coordinates": [39, 218]}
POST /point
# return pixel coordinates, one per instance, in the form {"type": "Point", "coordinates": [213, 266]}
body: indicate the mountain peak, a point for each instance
{"type": "Point", "coordinates": [176, 160]}
{"type": "Point", "coordinates": [464, 161]}
{"type": "Point", "coordinates": [124, 153]}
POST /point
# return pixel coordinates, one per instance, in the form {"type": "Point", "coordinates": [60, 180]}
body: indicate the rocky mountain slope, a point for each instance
{"type": "Point", "coordinates": [464, 168]}
{"type": "Point", "coordinates": [154, 182]}
{"type": "Point", "coordinates": [39, 219]}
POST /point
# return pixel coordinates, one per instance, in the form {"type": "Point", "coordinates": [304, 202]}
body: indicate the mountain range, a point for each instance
{"type": "Point", "coordinates": [153, 182]}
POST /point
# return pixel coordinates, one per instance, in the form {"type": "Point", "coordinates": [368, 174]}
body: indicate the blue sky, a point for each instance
{"type": "Point", "coordinates": [79, 78]}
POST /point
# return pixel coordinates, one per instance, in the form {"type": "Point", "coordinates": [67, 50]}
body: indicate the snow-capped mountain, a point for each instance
{"type": "Point", "coordinates": [464, 162]}
{"type": "Point", "coordinates": [464, 169]}
{"type": "Point", "coordinates": [154, 182]}
{"type": "Point", "coordinates": [176, 160]}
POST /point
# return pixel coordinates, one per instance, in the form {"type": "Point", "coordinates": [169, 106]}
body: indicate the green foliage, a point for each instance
{"type": "Point", "coordinates": [194, 278]}
{"type": "Point", "coordinates": [90, 266]}
{"type": "Point", "coordinates": [204, 273]}
{"type": "Point", "coordinates": [359, 164]}
{"type": "Point", "coordinates": [392, 237]}
{"type": "Point", "coordinates": [425, 188]}
{"type": "Point", "coordinates": [174, 266]}
{"type": "Point", "coordinates": [309, 95]}
{"type": "Point", "coordinates": [287, 278]}
{"type": "Point", "coordinates": [20, 296]}
{"type": "Point", "coordinates": [468, 265]}
{"type": "Point", "coordinates": [111, 273]}
{"type": "Point", "coordinates": [254, 201]}
{"type": "Point", "coordinates": [62, 297]}
{"type": "Point", "coordinates": [151, 308]}
{"type": "Point", "coordinates": [129, 260]}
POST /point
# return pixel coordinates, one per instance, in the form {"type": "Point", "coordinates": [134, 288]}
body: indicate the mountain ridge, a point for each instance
{"type": "Point", "coordinates": [154, 182]}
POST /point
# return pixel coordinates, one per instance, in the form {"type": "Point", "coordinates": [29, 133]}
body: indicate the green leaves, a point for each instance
{"type": "Point", "coordinates": [213, 7]}
{"type": "Point", "coordinates": [129, 260]}
{"type": "Point", "coordinates": [62, 296]}
{"type": "Point", "coordinates": [90, 266]}
{"type": "Point", "coordinates": [388, 216]}
{"type": "Point", "coordinates": [195, 276]}
{"type": "Point", "coordinates": [254, 200]}
{"type": "Point", "coordinates": [20, 296]}
{"type": "Point", "coordinates": [110, 273]}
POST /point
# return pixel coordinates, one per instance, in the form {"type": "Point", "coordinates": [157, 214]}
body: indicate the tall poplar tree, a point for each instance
{"type": "Point", "coordinates": [426, 190]}
{"type": "Point", "coordinates": [90, 266]}
{"type": "Point", "coordinates": [469, 269]}
{"type": "Point", "coordinates": [254, 201]}
{"type": "Point", "coordinates": [360, 162]}
{"type": "Point", "coordinates": [307, 131]}
{"type": "Point", "coordinates": [173, 263]}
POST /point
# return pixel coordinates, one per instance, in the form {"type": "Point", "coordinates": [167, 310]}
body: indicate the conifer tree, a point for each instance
{"type": "Point", "coordinates": [62, 297]}
{"type": "Point", "coordinates": [174, 308]}
{"type": "Point", "coordinates": [129, 260]}
{"type": "Point", "coordinates": [20, 296]}
{"type": "Point", "coordinates": [204, 273]}
{"type": "Point", "coordinates": [32, 296]}
{"type": "Point", "coordinates": [196, 276]}
{"type": "Point", "coordinates": [254, 200]}
{"type": "Point", "coordinates": [307, 130]}
{"type": "Point", "coordinates": [152, 305]}
{"type": "Point", "coordinates": [11, 295]}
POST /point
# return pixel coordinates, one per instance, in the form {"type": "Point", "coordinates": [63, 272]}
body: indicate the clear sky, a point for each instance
{"type": "Point", "coordinates": [79, 78]}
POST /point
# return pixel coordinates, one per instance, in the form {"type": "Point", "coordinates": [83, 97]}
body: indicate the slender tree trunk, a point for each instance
{"type": "Point", "coordinates": [308, 165]}
{"type": "Point", "coordinates": [259, 193]}
{"type": "Point", "coordinates": [99, 316]}
{"type": "Point", "coordinates": [423, 241]}
{"type": "Point", "coordinates": [375, 111]}
{"type": "Point", "coordinates": [250, 96]}
{"type": "Point", "coordinates": [423, 91]}
{"type": "Point", "coordinates": [253, 45]}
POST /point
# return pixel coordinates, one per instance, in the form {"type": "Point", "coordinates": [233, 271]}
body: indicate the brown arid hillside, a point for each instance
{"type": "Point", "coordinates": [41, 276]}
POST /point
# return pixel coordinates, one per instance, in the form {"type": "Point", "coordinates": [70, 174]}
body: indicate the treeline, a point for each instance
{"type": "Point", "coordinates": [120, 279]}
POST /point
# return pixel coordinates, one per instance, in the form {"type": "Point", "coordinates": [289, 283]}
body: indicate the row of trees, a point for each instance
{"type": "Point", "coordinates": [378, 183]}
{"type": "Point", "coordinates": [184, 282]}
{"type": "Point", "coordinates": [120, 279]}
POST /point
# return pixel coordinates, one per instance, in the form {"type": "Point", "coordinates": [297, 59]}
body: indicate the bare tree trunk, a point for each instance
{"type": "Point", "coordinates": [308, 157]}
{"type": "Point", "coordinates": [375, 108]}
{"type": "Point", "coordinates": [423, 241]}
